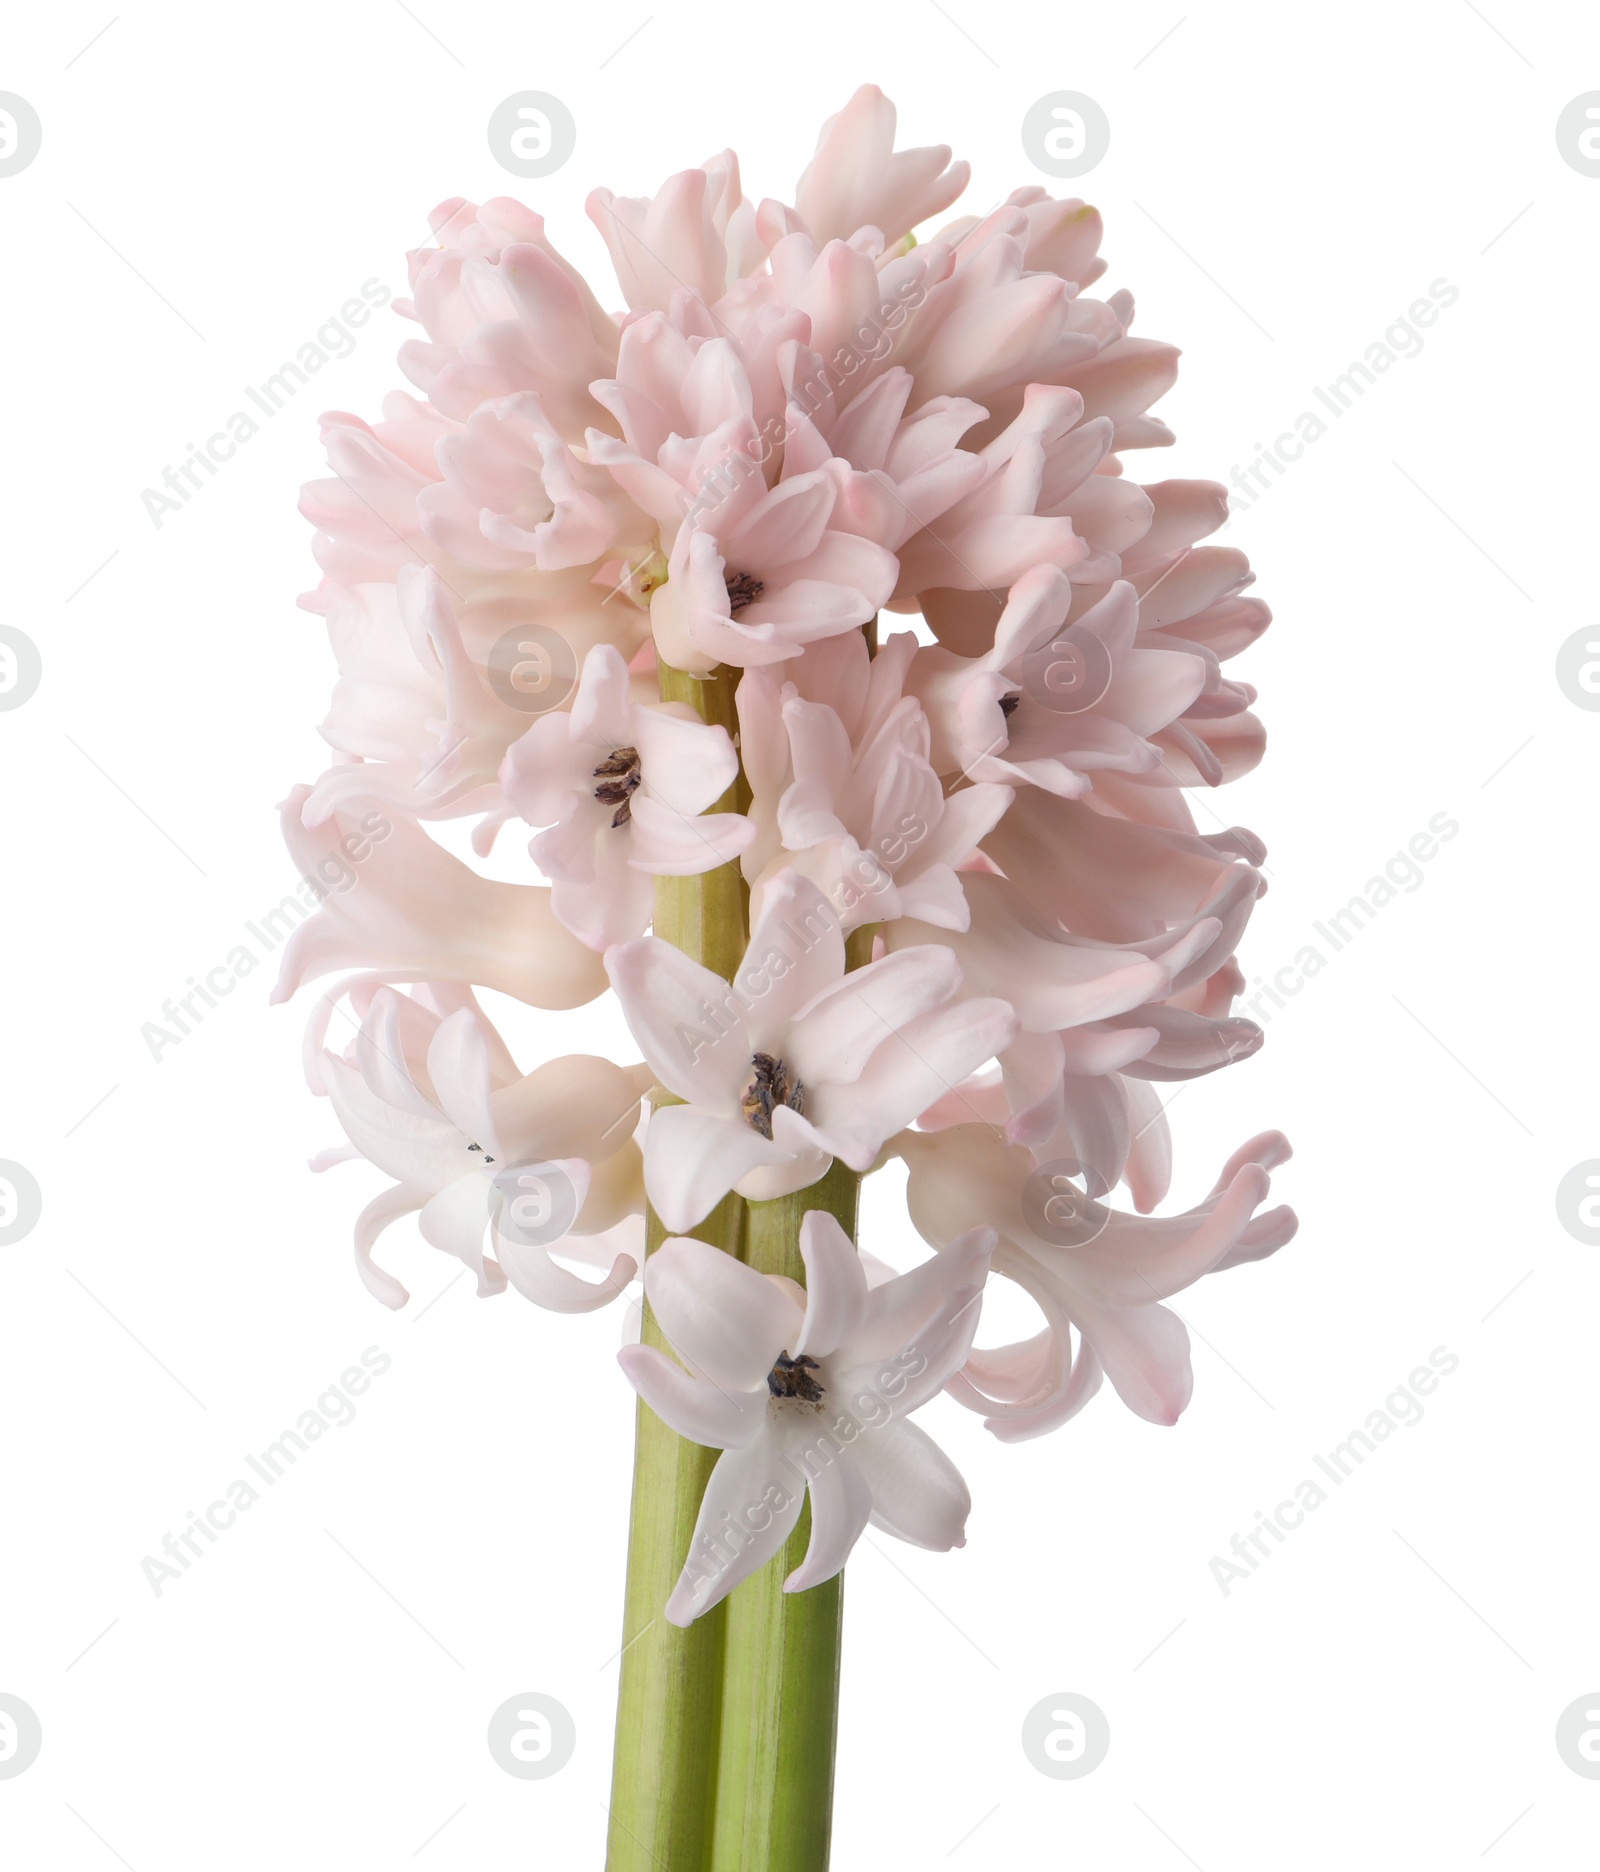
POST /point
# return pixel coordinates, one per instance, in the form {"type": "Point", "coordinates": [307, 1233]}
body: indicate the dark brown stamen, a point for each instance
{"type": "Point", "coordinates": [791, 1378]}
{"type": "Point", "coordinates": [743, 588]}
{"type": "Point", "coordinates": [769, 1087]}
{"type": "Point", "coordinates": [1008, 705]}
{"type": "Point", "coordinates": [619, 778]}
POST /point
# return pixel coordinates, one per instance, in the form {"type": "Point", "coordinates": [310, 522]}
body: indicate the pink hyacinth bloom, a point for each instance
{"type": "Point", "coordinates": [794, 1062]}
{"type": "Point", "coordinates": [412, 912]}
{"type": "Point", "coordinates": [804, 415]}
{"type": "Point", "coordinates": [856, 804]}
{"type": "Point", "coordinates": [999, 717]}
{"type": "Point", "coordinates": [624, 788]}
{"type": "Point", "coordinates": [808, 1393]}
{"type": "Point", "coordinates": [1106, 1289]}
{"type": "Point", "coordinates": [435, 1101]}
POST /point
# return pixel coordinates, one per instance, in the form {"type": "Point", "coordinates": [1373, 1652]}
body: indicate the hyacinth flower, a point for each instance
{"type": "Point", "coordinates": [806, 1396]}
{"type": "Point", "coordinates": [932, 894]}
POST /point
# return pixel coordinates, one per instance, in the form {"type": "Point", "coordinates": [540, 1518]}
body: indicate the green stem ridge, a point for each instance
{"type": "Point", "coordinates": [670, 1691]}
{"type": "Point", "coordinates": [726, 1729]}
{"type": "Point", "coordinates": [780, 1684]}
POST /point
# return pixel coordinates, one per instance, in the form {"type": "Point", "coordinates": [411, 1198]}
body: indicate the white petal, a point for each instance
{"type": "Point", "coordinates": [611, 1219]}
{"type": "Point", "coordinates": [807, 815]}
{"type": "Point", "coordinates": [1148, 1173]}
{"type": "Point", "coordinates": [1079, 1380]}
{"type": "Point", "coordinates": [796, 951]}
{"type": "Point", "coordinates": [704, 1413]}
{"type": "Point", "coordinates": [568, 851]}
{"type": "Point", "coordinates": [1011, 1374]}
{"type": "Point", "coordinates": [917, 1492]}
{"type": "Point", "coordinates": [808, 1162]}
{"type": "Point", "coordinates": [725, 1321]}
{"type": "Point", "coordinates": [841, 1503]}
{"type": "Point", "coordinates": [1136, 1260]}
{"type": "Point", "coordinates": [843, 1027]}
{"type": "Point", "coordinates": [692, 1159]}
{"type": "Point", "coordinates": [836, 1288]}
{"type": "Point", "coordinates": [669, 843]}
{"type": "Point", "coordinates": [1036, 606]}
{"type": "Point", "coordinates": [1145, 1351]}
{"type": "Point", "coordinates": [575, 1106]}
{"type": "Point", "coordinates": [929, 1056]}
{"type": "Point", "coordinates": [933, 896]}
{"type": "Point", "coordinates": [419, 914]}
{"type": "Point", "coordinates": [613, 906]}
{"type": "Point", "coordinates": [750, 1507]}
{"type": "Point", "coordinates": [686, 1020]}
{"type": "Point", "coordinates": [1054, 980]}
{"type": "Point", "coordinates": [392, 1051]}
{"type": "Point", "coordinates": [458, 1065]}
{"type": "Point", "coordinates": [785, 525]}
{"type": "Point", "coordinates": [969, 815]}
{"type": "Point", "coordinates": [370, 1224]}
{"type": "Point", "coordinates": [543, 766]}
{"type": "Point", "coordinates": [600, 707]}
{"type": "Point", "coordinates": [920, 1304]}
{"type": "Point", "coordinates": [819, 746]}
{"type": "Point", "coordinates": [688, 765]}
{"type": "Point", "coordinates": [455, 1220]}
{"type": "Point", "coordinates": [539, 1278]}
{"type": "Point", "coordinates": [424, 1153]}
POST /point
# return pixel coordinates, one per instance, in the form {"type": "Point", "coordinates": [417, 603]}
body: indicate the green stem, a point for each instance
{"type": "Point", "coordinates": [663, 1784]}
{"type": "Point", "coordinates": [663, 1788]}
{"type": "Point", "coordinates": [726, 1730]}
{"type": "Point", "coordinates": [780, 1686]}
{"type": "Point", "coordinates": [707, 916]}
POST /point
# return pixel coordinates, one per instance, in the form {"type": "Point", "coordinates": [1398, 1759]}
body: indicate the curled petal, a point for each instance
{"type": "Point", "coordinates": [538, 1277]}
{"type": "Point", "coordinates": [370, 1224]}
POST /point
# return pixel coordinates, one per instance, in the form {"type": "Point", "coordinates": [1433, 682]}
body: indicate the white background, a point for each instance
{"type": "Point", "coordinates": [214, 183]}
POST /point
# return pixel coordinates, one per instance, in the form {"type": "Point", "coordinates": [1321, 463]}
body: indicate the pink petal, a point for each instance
{"type": "Point", "coordinates": [836, 1288]}
{"type": "Point", "coordinates": [692, 1159]}
{"type": "Point", "coordinates": [928, 1056]}
{"type": "Point", "coordinates": [841, 1504]}
{"type": "Point", "coordinates": [835, 1036]}
{"type": "Point", "coordinates": [668, 843]}
{"type": "Point", "coordinates": [727, 1322]}
{"type": "Point", "coordinates": [704, 1413]}
{"type": "Point", "coordinates": [455, 1222]}
{"type": "Point", "coordinates": [749, 1510]}
{"type": "Point", "coordinates": [685, 1019]}
{"type": "Point", "coordinates": [687, 765]}
{"type": "Point", "coordinates": [917, 1492]}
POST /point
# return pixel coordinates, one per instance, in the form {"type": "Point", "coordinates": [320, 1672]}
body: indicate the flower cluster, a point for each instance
{"type": "Point", "coordinates": [982, 928]}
